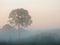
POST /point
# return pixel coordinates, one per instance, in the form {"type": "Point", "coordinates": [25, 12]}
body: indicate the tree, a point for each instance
{"type": "Point", "coordinates": [7, 27]}
{"type": "Point", "coordinates": [20, 18]}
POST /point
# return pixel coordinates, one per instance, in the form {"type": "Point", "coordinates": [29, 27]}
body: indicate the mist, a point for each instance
{"type": "Point", "coordinates": [29, 22]}
{"type": "Point", "coordinates": [28, 37]}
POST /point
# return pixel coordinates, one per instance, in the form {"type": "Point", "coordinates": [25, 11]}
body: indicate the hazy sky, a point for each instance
{"type": "Point", "coordinates": [45, 13]}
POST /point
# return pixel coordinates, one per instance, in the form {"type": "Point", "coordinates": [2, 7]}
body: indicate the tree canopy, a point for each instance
{"type": "Point", "coordinates": [20, 18]}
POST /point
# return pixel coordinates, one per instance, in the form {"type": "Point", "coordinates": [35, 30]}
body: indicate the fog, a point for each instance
{"type": "Point", "coordinates": [30, 37]}
{"type": "Point", "coordinates": [29, 22]}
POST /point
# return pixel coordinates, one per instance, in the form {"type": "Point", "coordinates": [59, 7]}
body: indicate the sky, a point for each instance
{"type": "Point", "coordinates": [45, 13]}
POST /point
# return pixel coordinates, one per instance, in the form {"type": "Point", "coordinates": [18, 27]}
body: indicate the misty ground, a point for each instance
{"type": "Point", "coordinates": [27, 37]}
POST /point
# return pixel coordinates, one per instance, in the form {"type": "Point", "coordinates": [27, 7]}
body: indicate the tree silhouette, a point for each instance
{"type": "Point", "coordinates": [7, 27]}
{"type": "Point", "coordinates": [20, 18]}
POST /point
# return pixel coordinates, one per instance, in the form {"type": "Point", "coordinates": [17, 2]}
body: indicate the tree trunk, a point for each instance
{"type": "Point", "coordinates": [18, 26]}
{"type": "Point", "coordinates": [18, 32]}
{"type": "Point", "coordinates": [10, 37]}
